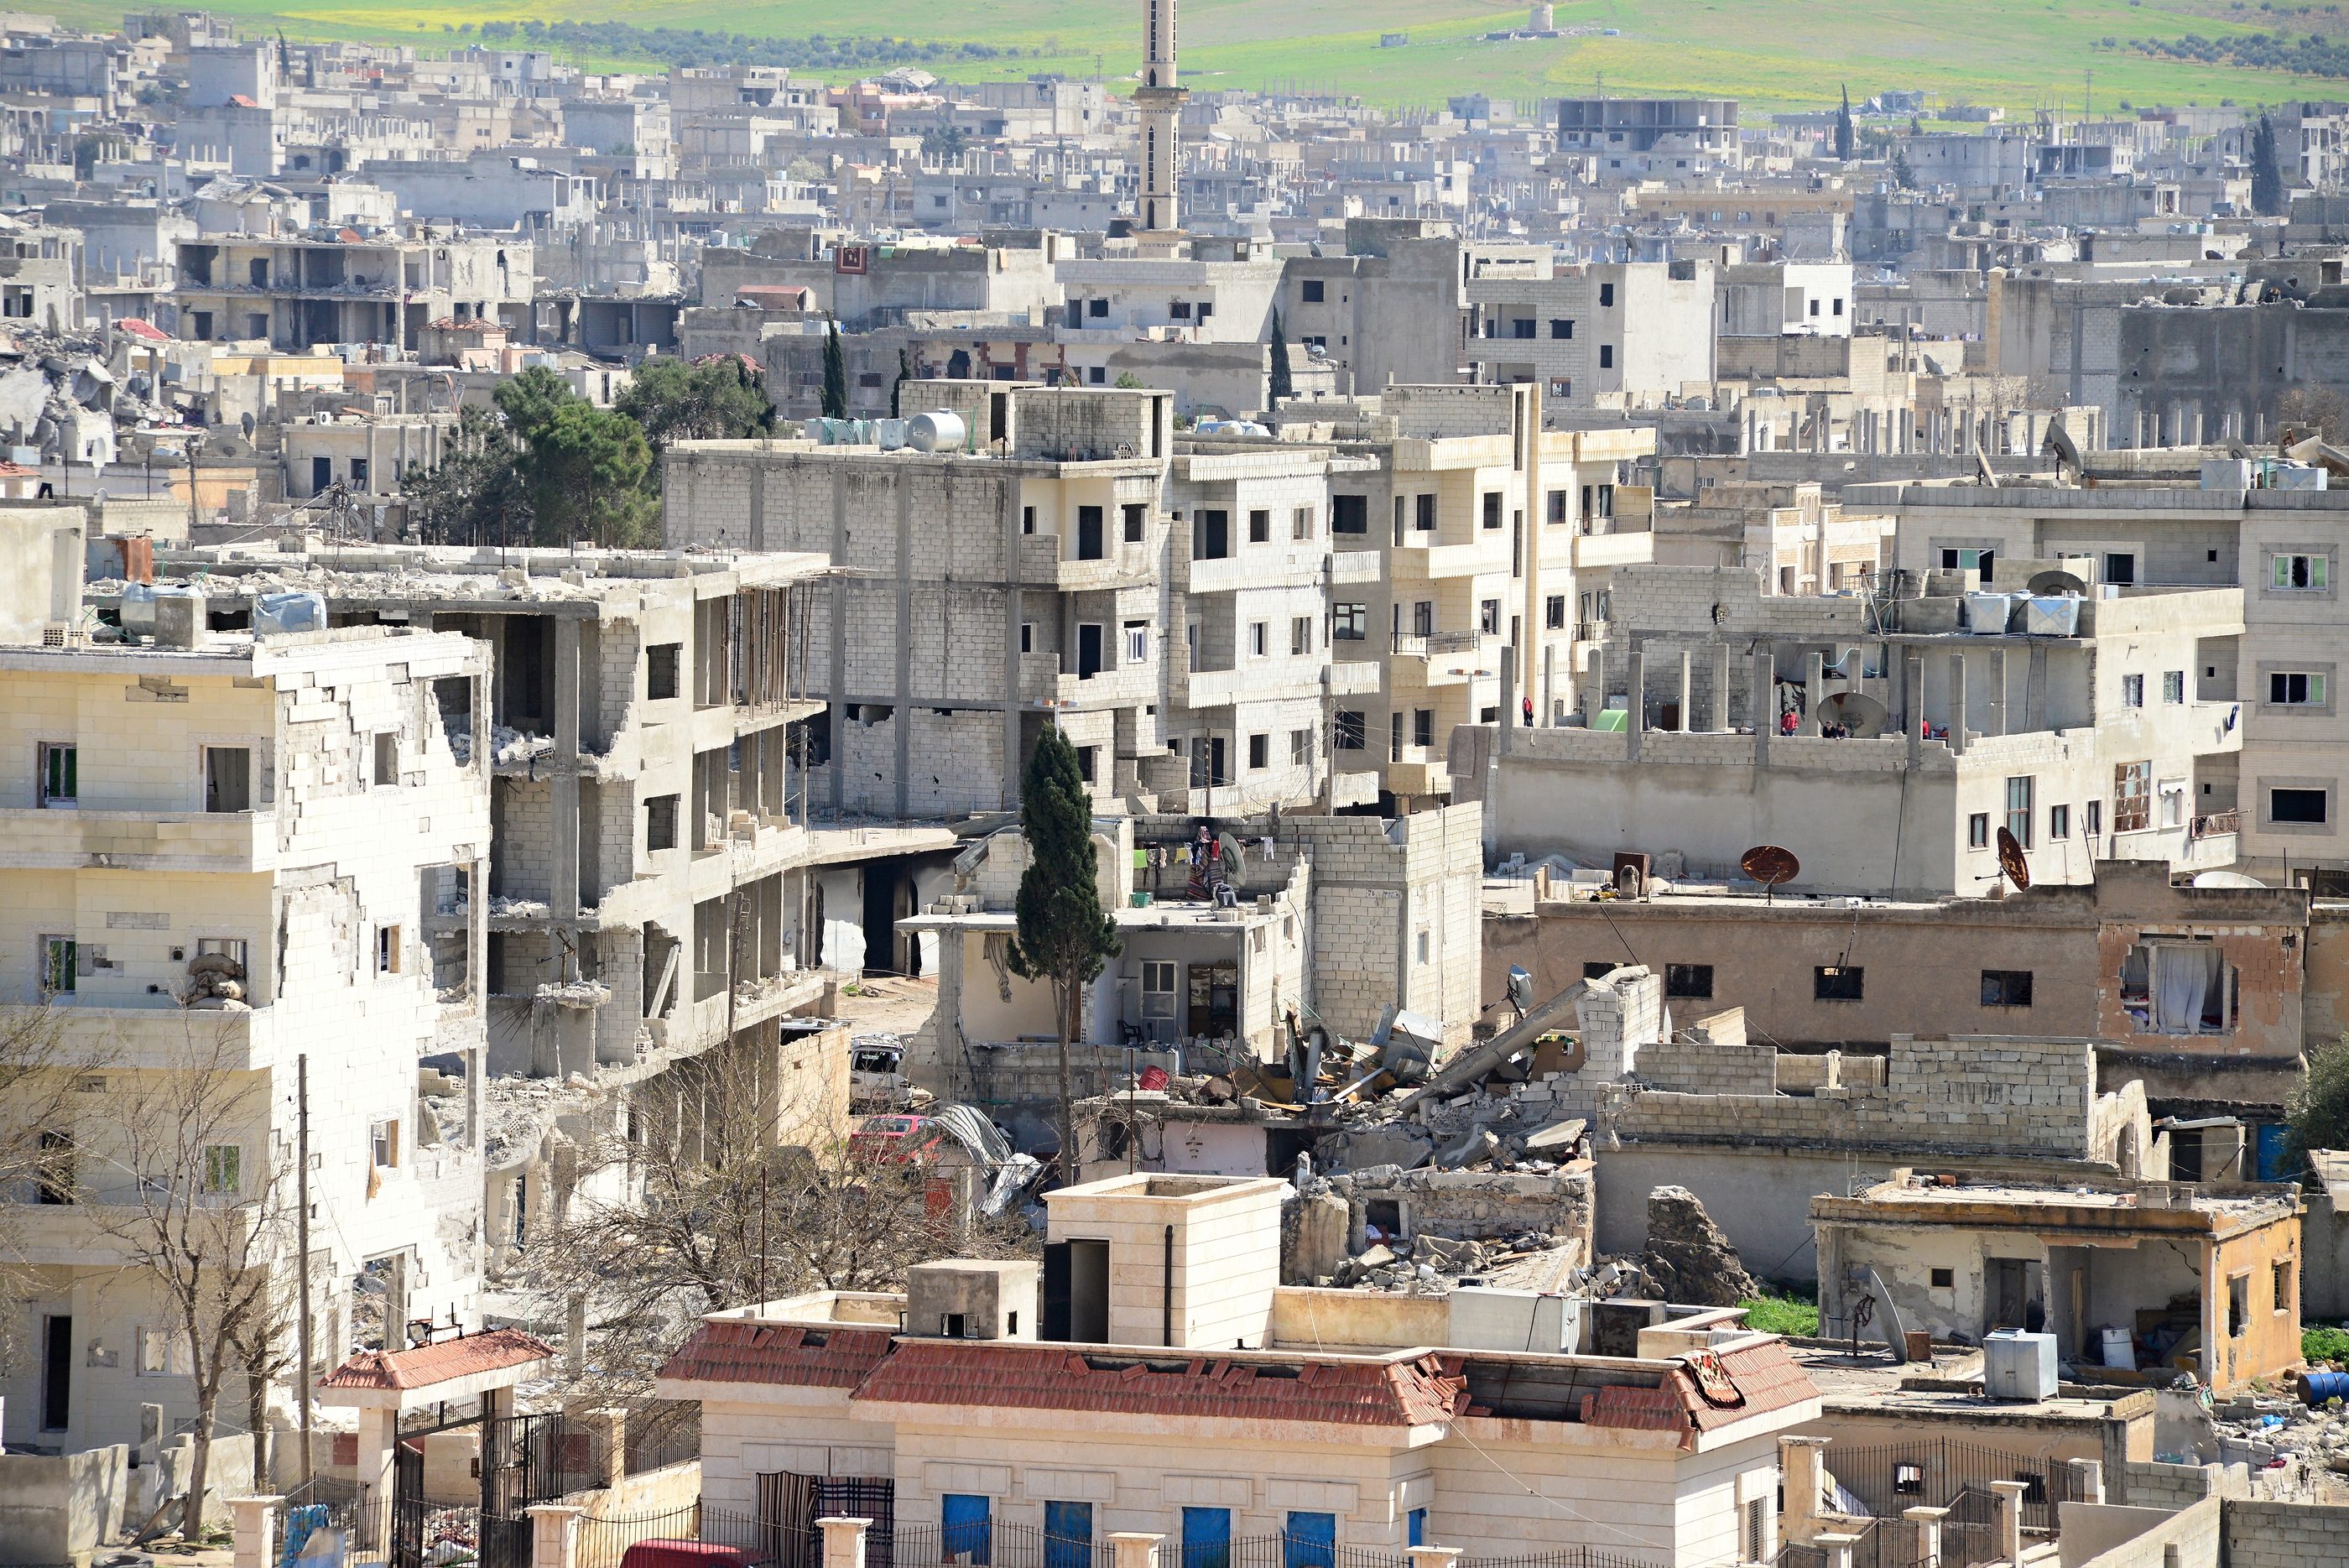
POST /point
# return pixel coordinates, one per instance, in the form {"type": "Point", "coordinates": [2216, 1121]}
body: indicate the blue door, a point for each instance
{"type": "Point", "coordinates": [1068, 1535]}
{"type": "Point", "coordinates": [1311, 1542]}
{"type": "Point", "coordinates": [2275, 1161]}
{"type": "Point", "coordinates": [966, 1531]}
{"type": "Point", "coordinates": [1417, 1520]}
{"type": "Point", "coordinates": [1206, 1538]}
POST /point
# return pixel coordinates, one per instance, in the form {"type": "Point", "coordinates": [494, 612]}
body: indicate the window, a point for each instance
{"type": "Point", "coordinates": [1348, 623]}
{"type": "Point", "coordinates": [1157, 991]}
{"type": "Point", "coordinates": [2059, 822]}
{"type": "Point", "coordinates": [1599, 970]}
{"type": "Point", "coordinates": [2239, 1306]}
{"type": "Point", "coordinates": [1259, 527]}
{"type": "Point", "coordinates": [660, 822]}
{"type": "Point", "coordinates": [1837, 982]}
{"type": "Point", "coordinates": [228, 778]}
{"type": "Point", "coordinates": [2006, 988]}
{"type": "Point", "coordinates": [1027, 636]}
{"type": "Point", "coordinates": [1523, 326]}
{"type": "Point", "coordinates": [1089, 545]}
{"type": "Point", "coordinates": [2120, 569]}
{"type": "Point", "coordinates": [386, 949]}
{"type": "Point", "coordinates": [1179, 310]}
{"type": "Point", "coordinates": [1941, 1280]}
{"type": "Point", "coordinates": [1137, 641]}
{"type": "Point", "coordinates": [1606, 295]}
{"type": "Point", "coordinates": [2132, 690]}
{"type": "Point", "coordinates": [2019, 810]}
{"type": "Point", "coordinates": [1027, 519]}
{"type": "Point", "coordinates": [387, 758]}
{"type": "Point", "coordinates": [2302, 806]}
{"type": "Point", "coordinates": [1554, 612]}
{"type": "Point", "coordinates": [1977, 831]}
{"type": "Point", "coordinates": [60, 773]}
{"type": "Point", "coordinates": [1088, 762]}
{"type": "Point", "coordinates": [1757, 1529]}
{"type": "Point", "coordinates": [60, 964]}
{"type": "Point", "coordinates": [1394, 738]}
{"type": "Point", "coordinates": [1300, 747]}
{"type": "Point", "coordinates": [2280, 1293]}
{"type": "Point", "coordinates": [1134, 517]}
{"type": "Point", "coordinates": [2173, 802]}
{"type": "Point", "coordinates": [2132, 797]}
{"type": "Point", "coordinates": [2298, 571]}
{"type": "Point", "coordinates": [1350, 732]}
{"type": "Point", "coordinates": [224, 1169]}
{"type": "Point", "coordinates": [1423, 726]}
{"type": "Point", "coordinates": [165, 1353]}
{"type": "Point", "coordinates": [1966, 561]}
{"type": "Point", "coordinates": [1423, 947]}
{"type": "Point", "coordinates": [660, 670]}
{"type": "Point", "coordinates": [2294, 690]}
{"type": "Point", "coordinates": [1259, 751]}
{"type": "Point", "coordinates": [1309, 291]}
{"type": "Point", "coordinates": [1301, 635]}
{"type": "Point", "coordinates": [1561, 328]}
{"type": "Point", "coordinates": [1607, 356]}
{"type": "Point", "coordinates": [1349, 513]}
{"type": "Point", "coordinates": [1492, 509]}
{"type": "Point", "coordinates": [1300, 523]}
{"type": "Point", "coordinates": [1693, 980]}
{"type": "Point", "coordinates": [2173, 686]}
{"type": "Point", "coordinates": [1488, 618]}
{"type": "Point", "coordinates": [1422, 618]}
{"type": "Point", "coordinates": [1259, 638]}
{"type": "Point", "coordinates": [383, 1143]}
{"type": "Point", "coordinates": [1423, 519]}
{"type": "Point", "coordinates": [1099, 307]}
{"type": "Point", "coordinates": [2091, 819]}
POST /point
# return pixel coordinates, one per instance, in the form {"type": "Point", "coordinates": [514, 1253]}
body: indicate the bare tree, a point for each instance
{"type": "Point", "coordinates": [40, 1080]}
{"type": "Point", "coordinates": [201, 1215]}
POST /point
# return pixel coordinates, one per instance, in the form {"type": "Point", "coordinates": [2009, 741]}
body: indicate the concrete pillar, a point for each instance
{"type": "Point", "coordinates": [1762, 705]}
{"type": "Point", "coordinates": [1912, 706]}
{"type": "Point", "coordinates": [2010, 1519]}
{"type": "Point", "coordinates": [1815, 691]}
{"type": "Point", "coordinates": [610, 1425]}
{"type": "Point", "coordinates": [1994, 721]}
{"type": "Point", "coordinates": [843, 1541]}
{"type": "Point", "coordinates": [1594, 689]}
{"type": "Point", "coordinates": [563, 783]}
{"type": "Point", "coordinates": [1425, 1556]}
{"type": "Point", "coordinates": [1688, 690]}
{"type": "Point", "coordinates": [2087, 1480]}
{"type": "Point", "coordinates": [255, 1517]}
{"type": "Point", "coordinates": [1719, 717]}
{"type": "Point", "coordinates": [1634, 721]}
{"type": "Point", "coordinates": [1837, 1545]}
{"type": "Point", "coordinates": [1510, 719]}
{"type": "Point", "coordinates": [1958, 703]}
{"type": "Point", "coordinates": [377, 1435]}
{"type": "Point", "coordinates": [553, 1534]}
{"type": "Point", "coordinates": [1798, 1461]}
{"type": "Point", "coordinates": [1927, 1522]}
{"type": "Point", "coordinates": [1134, 1549]}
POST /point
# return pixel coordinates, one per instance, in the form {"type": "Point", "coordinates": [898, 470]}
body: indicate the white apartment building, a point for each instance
{"type": "Point", "coordinates": [1606, 335]}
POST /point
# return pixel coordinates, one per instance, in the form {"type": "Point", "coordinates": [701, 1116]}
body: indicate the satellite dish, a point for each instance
{"type": "Point", "coordinates": [2226, 880]}
{"type": "Point", "coordinates": [2011, 861]}
{"type": "Point", "coordinates": [1770, 865]}
{"type": "Point", "coordinates": [2055, 581]}
{"type": "Point", "coordinates": [1863, 715]}
{"type": "Point", "coordinates": [1887, 1319]}
{"type": "Point", "coordinates": [1521, 990]}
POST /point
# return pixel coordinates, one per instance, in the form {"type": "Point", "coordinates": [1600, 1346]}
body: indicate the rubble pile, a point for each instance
{"type": "Point", "coordinates": [1689, 1256]}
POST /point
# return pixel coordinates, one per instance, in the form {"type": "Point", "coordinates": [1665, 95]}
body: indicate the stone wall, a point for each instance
{"type": "Point", "coordinates": [1475, 1205]}
{"type": "Point", "coordinates": [2286, 1534]}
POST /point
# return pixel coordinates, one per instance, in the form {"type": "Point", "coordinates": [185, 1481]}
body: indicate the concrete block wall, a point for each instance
{"type": "Point", "coordinates": [1708, 1069]}
{"type": "Point", "coordinates": [2286, 1534]}
{"type": "Point", "coordinates": [525, 817]}
{"type": "Point", "coordinates": [1477, 1206]}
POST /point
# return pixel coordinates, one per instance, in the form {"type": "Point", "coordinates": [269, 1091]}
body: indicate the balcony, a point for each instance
{"type": "Point", "coordinates": [1418, 778]}
{"type": "Point", "coordinates": [1040, 562]}
{"type": "Point", "coordinates": [58, 840]}
{"type": "Point", "coordinates": [1260, 568]}
{"type": "Point", "coordinates": [1355, 678]}
{"type": "Point", "coordinates": [1436, 561]}
{"type": "Point", "coordinates": [1436, 644]}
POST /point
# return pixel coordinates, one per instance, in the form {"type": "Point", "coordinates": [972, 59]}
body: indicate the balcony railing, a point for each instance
{"type": "Point", "coordinates": [1436, 644]}
{"type": "Point", "coordinates": [2217, 822]}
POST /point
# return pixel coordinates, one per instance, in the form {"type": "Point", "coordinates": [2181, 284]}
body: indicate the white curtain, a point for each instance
{"type": "Point", "coordinates": [2182, 977]}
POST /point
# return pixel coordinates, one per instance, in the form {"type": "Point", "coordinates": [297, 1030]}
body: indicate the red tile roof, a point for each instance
{"type": "Point", "coordinates": [1056, 1377]}
{"type": "Point", "coordinates": [1645, 1409]}
{"type": "Point", "coordinates": [450, 1359]}
{"type": "Point", "coordinates": [733, 1350]}
{"type": "Point", "coordinates": [1766, 1376]}
{"type": "Point", "coordinates": [138, 326]}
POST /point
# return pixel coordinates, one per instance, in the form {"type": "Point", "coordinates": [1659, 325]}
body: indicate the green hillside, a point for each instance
{"type": "Point", "coordinates": [1774, 54]}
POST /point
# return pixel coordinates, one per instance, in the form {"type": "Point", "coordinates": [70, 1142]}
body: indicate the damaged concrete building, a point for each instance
{"type": "Point", "coordinates": [234, 862]}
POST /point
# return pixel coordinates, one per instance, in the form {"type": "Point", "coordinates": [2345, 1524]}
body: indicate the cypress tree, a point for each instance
{"type": "Point", "coordinates": [1843, 127]}
{"type": "Point", "coordinates": [1282, 385]}
{"type": "Point", "coordinates": [2267, 175]}
{"type": "Point", "coordinates": [897, 386]}
{"type": "Point", "coordinates": [835, 374]}
{"type": "Point", "coordinates": [1063, 938]}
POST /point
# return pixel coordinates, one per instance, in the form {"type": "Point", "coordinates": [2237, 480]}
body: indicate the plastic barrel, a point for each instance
{"type": "Point", "coordinates": [2316, 1387]}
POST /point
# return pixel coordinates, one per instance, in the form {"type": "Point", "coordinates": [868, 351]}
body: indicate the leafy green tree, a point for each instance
{"type": "Point", "coordinates": [473, 496]}
{"type": "Point", "coordinates": [1063, 938]}
{"type": "Point", "coordinates": [1127, 381]}
{"type": "Point", "coordinates": [1902, 175]}
{"type": "Point", "coordinates": [1843, 127]}
{"type": "Point", "coordinates": [724, 399]}
{"type": "Point", "coordinates": [1282, 385]}
{"type": "Point", "coordinates": [835, 374]}
{"type": "Point", "coordinates": [529, 400]}
{"type": "Point", "coordinates": [2266, 174]}
{"type": "Point", "coordinates": [943, 143]}
{"type": "Point", "coordinates": [586, 472]}
{"type": "Point", "coordinates": [2318, 1113]}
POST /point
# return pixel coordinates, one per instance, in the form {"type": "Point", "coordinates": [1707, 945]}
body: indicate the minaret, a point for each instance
{"type": "Point", "coordinates": [1160, 100]}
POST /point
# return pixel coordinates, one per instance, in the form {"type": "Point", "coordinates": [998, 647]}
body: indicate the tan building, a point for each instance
{"type": "Point", "coordinates": [1163, 1382]}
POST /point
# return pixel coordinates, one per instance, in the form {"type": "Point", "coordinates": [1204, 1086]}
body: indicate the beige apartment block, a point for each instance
{"type": "Point", "coordinates": [1166, 1385]}
{"type": "Point", "coordinates": [1801, 542]}
{"type": "Point", "coordinates": [2161, 528]}
{"type": "Point", "coordinates": [1602, 335]}
{"type": "Point", "coordinates": [294, 293]}
{"type": "Point", "coordinates": [306, 816]}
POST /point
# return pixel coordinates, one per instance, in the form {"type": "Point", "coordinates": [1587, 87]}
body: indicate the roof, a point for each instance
{"type": "Point", "coordinates": [733, 1350]}
{"type": "Point", "coordinates": [147, 331]}
{"type": "Point", "coordinates": [1759, 1378]}
{"type": "Point", "coordinates": [17, 470]}
{"type": "Point", "coordinates": [445, 1362]}
{"type": "Point", "coordinates": [1038, 1377]}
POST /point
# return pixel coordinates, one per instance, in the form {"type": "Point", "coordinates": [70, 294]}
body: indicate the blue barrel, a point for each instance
{"type": "Point", "coordinates": [2316, 1387]}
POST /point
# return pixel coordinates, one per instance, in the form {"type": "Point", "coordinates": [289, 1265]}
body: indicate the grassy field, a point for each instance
{"type": "Point", "coordinates": [1773, 53]}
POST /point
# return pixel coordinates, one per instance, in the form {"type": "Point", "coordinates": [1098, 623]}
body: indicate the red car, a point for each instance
{"type": "Point", "coordinates": [683, 1554]}
{"type": "Point", "coordinates": [900, 1139]}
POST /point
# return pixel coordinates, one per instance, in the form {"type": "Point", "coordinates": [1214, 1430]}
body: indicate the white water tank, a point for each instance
{"type": "Point", "coordinates": [2018, 1365]}
{"type": "Point", "coordinates": [941, 431]}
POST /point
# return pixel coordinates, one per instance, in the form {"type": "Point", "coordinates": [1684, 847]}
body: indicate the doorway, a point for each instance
{"type": "Point", "coordinates": [2011, 1295]}
{"type": "Point", "coordinates": [57, 1374]}
{"type": "Point", "coordinates": [1215, 1009]}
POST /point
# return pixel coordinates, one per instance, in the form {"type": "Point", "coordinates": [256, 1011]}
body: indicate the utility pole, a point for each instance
{"type": "Point", "coordinates": [302, 1237]}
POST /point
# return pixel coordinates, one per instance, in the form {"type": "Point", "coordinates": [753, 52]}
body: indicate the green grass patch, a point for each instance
{"type": "Point", "coordinates": [1771, 54]}
{"type": "Point", "coordinates": [2321, 1342]}
{"type": "Point", "coordinates": [1787, 1315]}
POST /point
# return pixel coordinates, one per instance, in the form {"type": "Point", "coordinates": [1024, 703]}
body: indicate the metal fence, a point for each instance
{"type": "Point", "coordinates": [989, 1543]}
{"type": "Point", "coordinates": [1939, 1472]}
{"type": "Point", "coordinates": [1562, 1557]}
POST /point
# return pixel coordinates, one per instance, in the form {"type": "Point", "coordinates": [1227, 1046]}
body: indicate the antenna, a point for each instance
{"type": "Point", "coordinates": [1770, 865]}
{"type": "Point", "coordinates": [2012, 865]}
